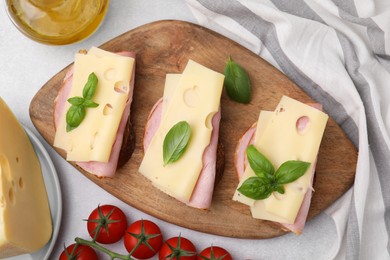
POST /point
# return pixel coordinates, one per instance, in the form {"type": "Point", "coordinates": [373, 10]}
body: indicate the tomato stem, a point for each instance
{"type": "Point", "coordinates": [72, 254]}
{"type": "Point", "coordinates": [103, 221]}
{"type": "Point", "coordinates": [97, 231]}
{"type": "Point", "coordinates": [139, 242]}
{"type": "Point", "coordinates": [74, 250]}
{"type": "Point", "coordinates": [101, 248]}
{"type": "Point", "coordinates": [142, 238]}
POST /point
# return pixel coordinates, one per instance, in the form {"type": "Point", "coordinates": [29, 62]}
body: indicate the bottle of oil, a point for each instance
{"type": "Point", "coordinates": [57, 22]}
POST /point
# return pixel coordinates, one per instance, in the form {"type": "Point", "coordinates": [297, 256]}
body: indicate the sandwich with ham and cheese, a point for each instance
{"type": "Point", "coordinates": [92, 111]}
{"type": "Point", "coordinates": [291, 133]}
{"type": "Point", "coordinates": [182, 153]}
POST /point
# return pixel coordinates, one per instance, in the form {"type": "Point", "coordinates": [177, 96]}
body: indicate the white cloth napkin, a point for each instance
{"type": "Point", "coordinates": [338, 52]}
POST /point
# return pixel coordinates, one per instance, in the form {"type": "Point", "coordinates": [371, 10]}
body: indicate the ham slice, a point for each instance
{"type": "Point", "coordinates": [241, 162]}
{"type": "Point", "coordinates": [100, 169]}
{"type": "Point", "coordinates": [203, 192]}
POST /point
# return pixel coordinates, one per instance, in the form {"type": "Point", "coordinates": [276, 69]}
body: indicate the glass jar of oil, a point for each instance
{"type": "Point", "coordinates": [57, 22]}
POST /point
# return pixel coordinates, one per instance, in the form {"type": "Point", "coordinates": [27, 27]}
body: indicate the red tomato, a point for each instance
{"type": "Point", "coordinates": [214, 253]}
{"type": "Point", "coordinates": [113, 224]}
{"type": "Point", "coordinates": [143, 239]}
{"type": "Point", "coordinates": [82, 253]}
{"type": "Point", "coordinates": [178, 248]}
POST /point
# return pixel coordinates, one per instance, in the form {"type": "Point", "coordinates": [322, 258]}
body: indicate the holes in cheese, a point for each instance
{"type": "Point", "coordinates": [11, 195]}
{"type": "Point", "coordinates": [191, 97]}
{"type": "Point", "coordinates": [303, 125]}
{"type": "Point", "coordinates": [93, 140]}
{"type": "Point", "coordinates": [4, 167]}
{"type": "Point", "coordinates": [109, 74]}
{"type": "Point", "coordinates": [298, 187]}
{"type": "Point", "coordinates": [21, 183]}
{"type": "Point", "coordinates": [277, 195]}
{"type": "Point", "coordinates": [107, 110]}
{"type": "Point", "coordinates": [121, 87]}
{"type": "Point", "coordinates": [209, 121]}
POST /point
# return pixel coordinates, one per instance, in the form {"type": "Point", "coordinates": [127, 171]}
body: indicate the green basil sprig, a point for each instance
{"type": "Point", "coordinates": [237, 83]}
{"type": "Point", "coordinates": [176, 142]}
{"type": "Point", "coordinates": [76, 113]}
{"type": "Point", "coordinates": [267, 180]}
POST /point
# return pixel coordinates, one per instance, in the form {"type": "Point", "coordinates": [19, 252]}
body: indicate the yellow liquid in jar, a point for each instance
{"type": "Point", "coordinates": [57, 21]}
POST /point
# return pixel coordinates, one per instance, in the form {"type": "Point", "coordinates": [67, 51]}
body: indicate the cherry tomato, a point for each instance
{"type": "Point", "coordinates": [178, 248]}
{"type": "Point", "coordinates": [143, 239]}
{"type": "Point", "coordinates": [112, 221]}
{"type": "Point", "coordinates": [214, 253]}
{"type": "Point", "coordinates": [82, 253]}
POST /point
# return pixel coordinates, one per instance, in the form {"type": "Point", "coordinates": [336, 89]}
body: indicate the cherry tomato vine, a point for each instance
{"type": "Point", "coordinates": [142, 239]}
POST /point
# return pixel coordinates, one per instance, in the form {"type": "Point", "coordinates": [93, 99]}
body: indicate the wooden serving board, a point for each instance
{"type": "Point", "coordinates": [165, 47]}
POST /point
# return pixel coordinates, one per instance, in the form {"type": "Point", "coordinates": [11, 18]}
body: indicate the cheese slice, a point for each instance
{"type": "Point", "coordinates": [93, 139]}
{"type": "Point", "coordinates": [195, 99]}
{"type": "Point", "coordinates": [25, 221]}
{"type": "Point", "coordinates": [279, 140]}
{"type": "Point", "coordinates": [171, 83]}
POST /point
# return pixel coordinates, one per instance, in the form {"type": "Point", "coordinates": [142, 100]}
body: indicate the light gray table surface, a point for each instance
{"type": "Point", "coordinates": [25, 66]}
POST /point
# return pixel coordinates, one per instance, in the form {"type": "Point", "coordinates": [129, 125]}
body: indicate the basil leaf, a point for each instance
{"type": "Point", "coordinates": [90, 87]}
{"type": "Point", "coordinates": [279, 188]}
{"type": "Point", "coordinates": [76, 101]}
{"type": "Point", "coordinates": [175, 142]}
{"type": "Point", "coordinates": [256, 188]}
{"type": "Point", "coordinates": [75, 115]}
{"type": "Point", "coordinates": [290, 171]}
{"type": "Point", "coordinates": [259, 163]}
{"type": "Point", "coordinates": [90, 103]}
{"type": "Point", "coordinates": [267, 180]}
{"type": "Point", "coordinates": [69, 128]}
{"type": "Point", "coordinates": [237, 83]}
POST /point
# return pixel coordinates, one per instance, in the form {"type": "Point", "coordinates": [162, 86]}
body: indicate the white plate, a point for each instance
{"type": "Point", "coordinates": [55, 200]}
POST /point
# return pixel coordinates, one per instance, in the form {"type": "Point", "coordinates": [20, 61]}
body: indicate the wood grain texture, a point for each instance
{"type": "Point", "coordinates": [165, 47]}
